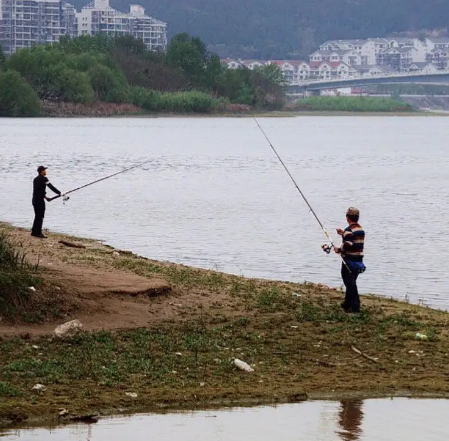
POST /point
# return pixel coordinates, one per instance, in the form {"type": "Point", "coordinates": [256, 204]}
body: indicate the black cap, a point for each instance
{"type": "Point", "coordinates": [41, 168]}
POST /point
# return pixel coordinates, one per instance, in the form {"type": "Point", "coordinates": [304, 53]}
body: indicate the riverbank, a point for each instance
{"type": "Point", "coordinates": [103, 110]}
{"type": "Point", "coordinates": [159, 335]}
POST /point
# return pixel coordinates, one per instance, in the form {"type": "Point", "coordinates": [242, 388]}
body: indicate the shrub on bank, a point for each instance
{"type": "Point", "coordinates": [17, 97]}
{"type": "Point", "coordinates": [15, 278]}
{"type": "Point", "coordinates": [351, 104]}
{"type": "Point", "coordinates": [175, 102]}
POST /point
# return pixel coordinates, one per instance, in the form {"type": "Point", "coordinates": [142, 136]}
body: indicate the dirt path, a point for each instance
{"type": "Point", "coordinates": [86, 286]}
{"type": "Point", "coordinates": [100, 298]}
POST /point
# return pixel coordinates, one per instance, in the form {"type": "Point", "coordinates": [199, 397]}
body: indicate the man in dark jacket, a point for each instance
{"type": "Point", "coordinates": [40, 184]}
{"type": "Point", "coordinates": [351, 249]}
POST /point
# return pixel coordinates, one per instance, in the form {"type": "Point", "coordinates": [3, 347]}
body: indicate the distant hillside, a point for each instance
{"type": "Point", "coordinates": [289, 28]}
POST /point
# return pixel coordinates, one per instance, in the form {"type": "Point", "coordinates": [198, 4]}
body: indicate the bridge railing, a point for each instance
{"type": "Point", "coordinates": [366, 77]}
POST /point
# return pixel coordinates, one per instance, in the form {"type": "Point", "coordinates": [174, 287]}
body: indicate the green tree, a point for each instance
{"type": "Point", "coordinates": [17, 97]}
{"type": "Point", "coordinates": [108, 85]}
{"type": "Point", "coordinates": [273, 73]}
{"type": "Point", "coordinates": [72, 86]}
{"type": "Point", "coordinates": [191, 56]}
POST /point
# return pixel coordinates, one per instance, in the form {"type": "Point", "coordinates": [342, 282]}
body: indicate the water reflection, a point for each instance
{"type": "Point", "coordinates": [350, 420]}
{"type": "Point", "coordinates": [412, 420]}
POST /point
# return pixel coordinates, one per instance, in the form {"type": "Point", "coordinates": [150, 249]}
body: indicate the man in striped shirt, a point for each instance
{"type": "Point", "coordinates": [351, 249]}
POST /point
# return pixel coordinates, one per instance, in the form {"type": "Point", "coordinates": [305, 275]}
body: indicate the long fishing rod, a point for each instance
{"type": "Point", "coordinates": [327, 248]}
{"type": "Point", "coordinates": [66, 198]}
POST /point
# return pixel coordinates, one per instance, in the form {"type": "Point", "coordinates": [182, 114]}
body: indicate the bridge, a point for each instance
{"type": "Point", "coordinates": [314, 86]}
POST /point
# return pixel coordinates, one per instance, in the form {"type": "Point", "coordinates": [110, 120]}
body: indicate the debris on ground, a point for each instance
{"type": "Point", "coordinates": [243, 366]}
{"type": "Point", "coordinates": [69, 329]}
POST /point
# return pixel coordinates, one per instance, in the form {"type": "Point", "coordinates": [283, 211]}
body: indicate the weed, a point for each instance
{"type": "Point", "coordinates": [269, 298]}
{"type": "Point", "coordinates": [7, 390]}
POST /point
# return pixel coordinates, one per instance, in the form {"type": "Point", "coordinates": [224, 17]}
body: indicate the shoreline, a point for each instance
{"type": "Point", "coordinates": [260, 114]}
{"type": "Point", "coordinates": [169, 334]}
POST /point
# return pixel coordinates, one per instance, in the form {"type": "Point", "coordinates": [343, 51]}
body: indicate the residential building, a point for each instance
{"type": "Point", "coordinates": [302, 70]}
{"type": "Point", "coordinates": [373, 70]}
{"type": "Point", "coordinates": [252, 64]}
{"type": "Point", "coordinates": [419, 56]}
{"type": "Point", "coordinates": [365, 48]}
{"type": "Point", "coordinates": [350, 57]}
{"type": "Point", "coordinates": [231, 63]}
{"type": "Point", "coordinates": [436, 43]}
{"type": "Point", "coordinates": [151, 31]}
{"type": "Point", "coordinates": [398, 58]}
{"type": "Point", "coordinates": [424, 68]}
{"type": "Point", "coordinates": [26, 23]}
{"type": "Point", "coordinates": [320, 69]}
{"type": "Point", "coordinates": [438, 57]}
{"type": "Point", "coordinates": [99, 17]}
{"type": "Point", "coordinates": [380, 44]}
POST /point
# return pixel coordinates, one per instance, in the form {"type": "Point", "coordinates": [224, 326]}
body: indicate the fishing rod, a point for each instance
{"type": "Point", "coordinates": [66, 198]}
{"type": "Point", "coordinates": [326, 248]}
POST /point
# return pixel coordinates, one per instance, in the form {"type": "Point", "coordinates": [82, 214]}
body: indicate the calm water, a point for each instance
{"type": "Point", "coordinates": [371, 420]}
{"type": "Point", "coordinates": [216, 197]}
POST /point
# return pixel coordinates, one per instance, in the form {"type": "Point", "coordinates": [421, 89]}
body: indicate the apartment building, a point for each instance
{"type": "Point", "coordinates": [99, 17]}
{"type": "Point", "coordinates": [365, 49]}
{"type": "Point", "coordinates": [26, 23]}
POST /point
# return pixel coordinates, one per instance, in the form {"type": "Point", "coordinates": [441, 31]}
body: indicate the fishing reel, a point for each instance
{"type": "Point", "coordinates": [326, 248]}
{"type": "Point", "coordinates": [65, 199]}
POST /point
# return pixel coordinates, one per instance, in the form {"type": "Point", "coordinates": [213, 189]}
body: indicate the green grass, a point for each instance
{"type": "Point", "coordinates": [8, 391]}
{"type": "Point", "coordinates": [16, 278]}
{"type": "Point", "coordinates": [352, 104]}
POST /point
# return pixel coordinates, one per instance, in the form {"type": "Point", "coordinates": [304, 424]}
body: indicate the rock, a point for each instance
{"type": "Point", "coordinates": [115, 254]}
{"type": "Point", "coordinates": [69, 329]}
{"type": "Point", "coordinates": [39, 387]}
{"type": "Point", "coordinates": [243, 366]}
{"type": "Point", "coordinates": [63, 412]}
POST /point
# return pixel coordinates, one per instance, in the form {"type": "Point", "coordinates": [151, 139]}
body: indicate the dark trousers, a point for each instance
{"type": "Point", "coordinates": [39, 214]}
{"type": "Point", "coordinates": [352, 300]}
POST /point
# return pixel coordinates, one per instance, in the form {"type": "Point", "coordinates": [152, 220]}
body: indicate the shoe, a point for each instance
{"type": "Point", "coordinates": [40, 236]}
{"type": "Point", "coordinates": [343, 305]}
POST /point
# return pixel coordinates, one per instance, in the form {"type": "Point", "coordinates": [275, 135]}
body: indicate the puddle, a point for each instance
{"type": "Point", "coordinates": [376, 420]}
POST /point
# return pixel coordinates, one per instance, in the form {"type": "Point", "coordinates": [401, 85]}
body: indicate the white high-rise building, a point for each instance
{"type": "Point", "coordinates": [98, 17]}
{"type": "Point", "coordinates": [26, 23]}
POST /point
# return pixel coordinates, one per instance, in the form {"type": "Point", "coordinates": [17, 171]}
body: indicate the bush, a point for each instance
{"type": "Point", "coordinates": [15, 277]}
{"type": "Point", "coordinates": [17, 97]}
{"type": "Point", "coordinates": [108, 85]}
{"type": "Point", "coordinates": [72, 86]}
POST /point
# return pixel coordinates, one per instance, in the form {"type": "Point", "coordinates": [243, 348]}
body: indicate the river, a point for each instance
{"type": "Point", "coordinates": [215, 196]}
{"type": "Point", "coordinates": [370, 420]}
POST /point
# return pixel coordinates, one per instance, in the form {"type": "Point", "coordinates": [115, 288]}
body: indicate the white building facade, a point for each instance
{"type": "Point", "coordinates": [99, 17]}
{"type": "Point", "coordinates": [26, 23]}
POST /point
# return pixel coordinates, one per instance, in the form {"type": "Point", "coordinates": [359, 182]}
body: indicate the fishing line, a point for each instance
{"type": "Point", "coordinates": [326, 248]}
{"type": "Point", "coordinates": [66, 198]}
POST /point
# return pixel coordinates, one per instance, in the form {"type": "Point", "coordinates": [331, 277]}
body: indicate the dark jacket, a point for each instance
{"type": "Point", "coordinates": [40, 184]}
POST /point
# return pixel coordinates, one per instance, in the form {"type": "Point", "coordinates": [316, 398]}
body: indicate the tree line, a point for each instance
{"type": "Point", "coordinates": [87, 69]}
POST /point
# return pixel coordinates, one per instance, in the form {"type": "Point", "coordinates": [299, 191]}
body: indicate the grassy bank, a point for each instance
{"type": "Point", "coordinates": [351, 104]}
{"type": "Point", "coordinates": [298, 340]}
{"type": "Point", "coordinates": [16, 278]}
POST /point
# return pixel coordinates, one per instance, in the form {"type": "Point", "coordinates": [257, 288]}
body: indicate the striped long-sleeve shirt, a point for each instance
{"type": "Point", "coordinates": [353, 240]}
